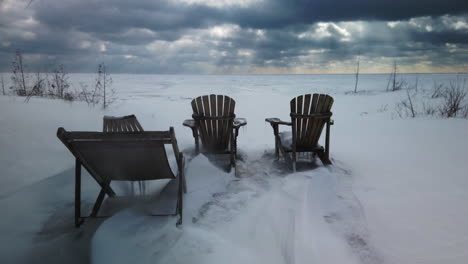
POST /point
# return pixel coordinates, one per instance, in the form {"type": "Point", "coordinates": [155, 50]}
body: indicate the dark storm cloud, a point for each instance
{"type": "Point", "coordinates": [175, 36]}
{"type": "Point", "coordinates": [280, 13]}
{"type": "Point", "coordinates": [116, 16]}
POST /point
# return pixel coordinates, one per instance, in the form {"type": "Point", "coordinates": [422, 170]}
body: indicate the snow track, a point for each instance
{"type": "Point", "coordinates": [396, 193]}
{"type": "Point", "coordinates": [265, 215]}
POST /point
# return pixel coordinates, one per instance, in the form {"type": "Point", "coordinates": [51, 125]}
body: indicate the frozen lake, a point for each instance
{"type": "Point", "coordinates": [396, 192]}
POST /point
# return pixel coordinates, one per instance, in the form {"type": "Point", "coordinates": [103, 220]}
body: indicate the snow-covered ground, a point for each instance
{"type": "Point", "coordinates": [396, 192]}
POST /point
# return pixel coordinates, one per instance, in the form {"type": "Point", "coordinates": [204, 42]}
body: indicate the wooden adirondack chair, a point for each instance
{"type": "Point", "coordinates": [215, 123]}
{"type": "Point", "coordinates": [125, 157]}
{"type": "Point", "coordinates": [309, 114]}
{"type": "Point", "coordinates": [113, 124]}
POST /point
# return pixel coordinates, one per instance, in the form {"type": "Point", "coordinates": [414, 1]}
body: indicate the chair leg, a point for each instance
{"type": "Point", "coordinates": [184, 183]}
{"type": "Point", "coordinates": [233, 150]}
{"type": "Point", "coordinates": [294, 161]}
{"type": "Point", "coordinates": [276, 148]}
{"type": "Point", "coordinates": [179, 212]}
{"type": "Point", "coordinates": [327, 142]}
{"type": "Point", "coordinates": [285, 154]}
{"type": "Point", "coordinates": [181, 209]}
{"type": "Point", "coordinates": [276, 132]}
{"type": "Point", "coordinates": [78, 219]}
{"type": "Point", "coordinates": [98, 203]}
{"type": "Point", "coordinates": [180, 198]}
{"type": "Point", "coordinates": [323, 157]}
{"type": "Point", "coordinates": [195, 136]}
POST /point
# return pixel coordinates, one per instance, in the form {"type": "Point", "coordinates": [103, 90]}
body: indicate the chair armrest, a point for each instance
{"type": "Point", "coordinates": [276, 121]}
{"type": "Point", "coordinates": [238, 122]}
{"type": "Point", "coordinates": [189, 123]}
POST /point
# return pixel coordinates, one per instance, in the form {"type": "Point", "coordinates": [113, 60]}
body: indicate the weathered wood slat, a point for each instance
{"type": "Point", "coordinates": [126, 126]}
{"type": "Point", "coordinates": [299, 119]}
{"type": "Point", "coordinates": [214, 123]}
{"type": "Point", "coordinates": [327, 103]}
{"type": "Point", "coordinates": [321, 122]}
{"type": "Point", "coordinates": [311, 122]}
{"type": "Point", "coordinates": [232, 106]}
{"type": "Point", "coordinates": [224, 137]}
{"type": "Point", "coordinates": [293, 105]}
{"type": "Point", "coordinates": [219, 112]}
{"type": "Point", "coordinates": [121, 124]}
{"type": "Point", "coordinates": [322, 107]}
{"type": "Point", "coordinates": [312, 138]}
{"type": "Point", "coordinates": [206, 112]}
{"type": "Point", "coordinates": [198, 110]}
{"type": "Point", "coordinates": [305, 121]}
{"type": "Point", "coordinates": [138, 126]}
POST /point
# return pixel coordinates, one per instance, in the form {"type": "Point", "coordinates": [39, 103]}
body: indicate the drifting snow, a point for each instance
{"type": "Point", "coordinates": [395, 194]}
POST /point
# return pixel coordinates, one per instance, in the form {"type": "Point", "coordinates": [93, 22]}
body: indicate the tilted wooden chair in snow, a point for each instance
{"type": "Point", "coordinates": [215, 123]}
{"type": "Point", "coordinates": [309, 114]}
{"type": "Point", "coordinates": [129, 156]}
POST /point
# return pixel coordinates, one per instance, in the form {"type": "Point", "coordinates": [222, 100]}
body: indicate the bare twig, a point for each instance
{"type": "Point", "coordinates": [3, 86]}
{"type": "Point", "coordinates": [103, 86]}
{"type": "Point", "coordinates": [438, 90]}
{"type": "Point", "coordinates": [357, 73]}
{"type": "Point", "coordinates": [19, 76]}
{"type": "Point", "coordinates": [393, 84]}
{"type": "Point", "coordinates": [406, 107]}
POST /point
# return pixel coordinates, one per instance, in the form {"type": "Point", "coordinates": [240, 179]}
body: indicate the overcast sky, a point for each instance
{"type": "Point", "coordinates": [236, 36]}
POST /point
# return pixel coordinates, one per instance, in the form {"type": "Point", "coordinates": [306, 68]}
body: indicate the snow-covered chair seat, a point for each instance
{"type": "Point", "coordinates": [309, 114]}
{"type": "Point", "coordinates": [124, 156]}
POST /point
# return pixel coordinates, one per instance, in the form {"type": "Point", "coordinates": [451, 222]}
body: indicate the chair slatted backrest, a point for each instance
{"type": "Point", "coordinates": [309, 114]}
{"type": "Point", "coordinates": [121, 124]}
{"type": "Point", "coordinates": [214, 115]}
{"type": "Point", "coordinates": [121, 156]}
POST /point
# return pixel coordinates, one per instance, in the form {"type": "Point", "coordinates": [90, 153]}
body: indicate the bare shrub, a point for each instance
{"type": "Point", "coordinates": [19, 77]}
{"type": "Point", "coordinates": [68, 96]}
{"type": "Point", "coordinates": [429, 109]}
{"type": "Point", "coordinates": [393, 83]}
{"type": "Point", "coordinates": [39, 85]}
{"type": "Point", "coordinates": [438, 90]}
{"type": "Point", "coordinates": [406, 107]}
{"type": "Point", "coordinates": [3, 86]}
{"type": "Point", "coordinates": [59, 82]}
{"type": "Point", "coordinates": [92, 98]}
{"type": "Point", "coordinates": [453, 98]}
{"type": "Point", "coordinates": [54, 84]}
{"type": "Point", "coordinates": [103, 86]}
{"type": "Point", "coordinates": [37, 89]}
{"type": "Point", "coordinates": [465, 111]}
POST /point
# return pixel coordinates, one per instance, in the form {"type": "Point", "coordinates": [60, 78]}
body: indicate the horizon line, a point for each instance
{"type": "Point", "coordinates": [338, 73]}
